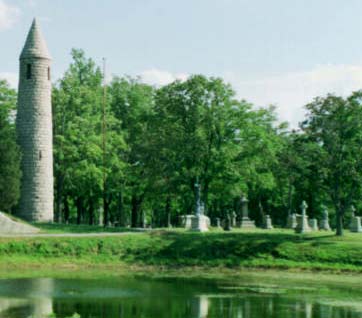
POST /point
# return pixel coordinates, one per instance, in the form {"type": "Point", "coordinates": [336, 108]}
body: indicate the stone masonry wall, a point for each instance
{"type": "Point", "coordinates": [34, 130]}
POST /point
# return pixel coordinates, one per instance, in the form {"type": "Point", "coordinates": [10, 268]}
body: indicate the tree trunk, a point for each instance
{"type": "Point", "coordinates": [66, 210]}
{"type": "Point", "coordinates": [206, 197]}
{"type": "Point", "coordinates": [120, 210]}
{"type": "Point", "coordinates": [134, 212]}
{"type": "Point", "coordinates": [91, 212]}
{"type": "Point", "coordinates": [261, 211]}
{"type": "Point", "coordinates": [168, 211]}
{"type": "Point", "coordinates": [339, 223]}
{"type": "Point", "coordinates": [79, 205]}
{"type": "Point", "coordinates": [58, 201]}
{"type": "Point", "coordinates": [106, 204]}
{"type": "Point", "coordinates": [290, 192]}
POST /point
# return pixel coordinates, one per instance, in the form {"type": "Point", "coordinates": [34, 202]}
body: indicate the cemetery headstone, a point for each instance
{"type": "Point", "coordinates": [324, 223]}
{"type": "Point", "coordinates": [245, 221]}
{"type": "Point", "coordinates": [199, 222]}
{"type": "Point", "coordinates": [353, 210]}
{"type": "Point", "coordinates": [302, 220]}
{"type": "Point", "coordinates": [268, 222]}
{"type": "Point", "coordinates": [292, 221]}
{"type": "Point", "coordinates": [227, 223]}
{"type": "Point", "coordinates": [233, 219]}
{"type": "Point", "coordinates": [186, 221]}
{"type": "Point", "coordinates": [313, 224]}
{"type": "Point", "coordinates": [218, 223]}
{"type": "Point", "coordinates": [355, 225]}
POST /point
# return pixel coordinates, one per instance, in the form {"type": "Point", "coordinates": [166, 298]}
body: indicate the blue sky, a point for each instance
{"type": "Point", "coordinates": [281, 52]}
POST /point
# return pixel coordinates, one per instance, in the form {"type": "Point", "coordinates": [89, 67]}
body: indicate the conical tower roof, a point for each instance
{"type": "Point", "coordinates": [35, 46]}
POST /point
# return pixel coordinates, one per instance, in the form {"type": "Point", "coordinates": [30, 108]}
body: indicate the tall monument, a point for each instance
{"type": "Point", "coordinates": [34, 129]}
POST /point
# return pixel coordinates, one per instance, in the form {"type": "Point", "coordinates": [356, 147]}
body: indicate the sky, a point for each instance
{"type": "Point", "coordinates": [278, 52]}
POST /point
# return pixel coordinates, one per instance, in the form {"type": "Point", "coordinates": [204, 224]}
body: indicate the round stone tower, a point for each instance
{"type": "Point", "coordinates": [34, 129]}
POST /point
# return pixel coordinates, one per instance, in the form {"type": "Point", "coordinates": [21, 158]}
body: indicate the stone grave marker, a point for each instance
{"type": "Point", "coordinates": [268, 222]}
{"type": "Point", "coordinates": [324, 223]}
{"type": "Point", "coordinates": [302, 220]}
{"type": "Point", "coordinates": [245, 221]}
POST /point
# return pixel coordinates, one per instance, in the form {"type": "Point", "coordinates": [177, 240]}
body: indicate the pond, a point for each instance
{"type": "Point", "coordinates": [143, 297]}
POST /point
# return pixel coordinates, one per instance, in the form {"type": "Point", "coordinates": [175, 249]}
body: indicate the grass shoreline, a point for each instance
{"type": "Point", "coordinates": [180, 251]}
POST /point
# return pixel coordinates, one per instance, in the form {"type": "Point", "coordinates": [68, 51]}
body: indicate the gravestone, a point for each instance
{"type": "Point", "coordinates": [313, 224]}
{"type": "Point", "coordinates": [199, 221]}
{"type": "Point", "coordinates": [186, 221]}
{"type": "Point", "coordinates": [218, 223]}
{"type": "Point", "coordinates": [353, 210]}
{"type": "Point", "coordinates": [324, 223]}
{"type": "Point", "coordinates": [355, 225]}
{"type": "Point", "coordinates": [268, 223]}
{"type": "Point", "coordinates": [233, 219]}
{"type": "Point", "coordinates": [245, 220]}
{"type": "Point", "coordinates": [292, 221]}
{"type": "Point", "coordinates": [302, 220]}
{"type": "Point", "coordinates": [227, 223]}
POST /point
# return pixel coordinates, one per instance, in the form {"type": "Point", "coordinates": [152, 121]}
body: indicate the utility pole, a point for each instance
{"type": "Point", "coordinates": [104, 217]}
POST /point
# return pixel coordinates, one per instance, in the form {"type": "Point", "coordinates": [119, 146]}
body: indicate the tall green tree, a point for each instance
{"type": "Point", "coordinates": [82, 167]}
{"type": "Point", "coordinates": [131, 103]}
{"type": "Point", "coordinates": [194, 135]}
{"type": "Point", "coordinates": [9, 152]}
{"type": "Point", "coordinates": [335, 124]}
{"type": "Point", "coordinates": [201, 130]}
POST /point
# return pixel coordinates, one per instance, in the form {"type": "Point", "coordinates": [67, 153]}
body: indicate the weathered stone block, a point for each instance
{"type": "Point", "coordinates": [355, 225]}
{"type": "Point", "coordinates": [313, 224]}
{"type": "Point", "coordinates": [302, 224]}
{"type": "Point", "coordinates": [268, 223]}
{"type": "Point", "coordinates": [200, 223]}
{"type": "Point", "coordinates": [292, 221]}
{"type": "Point", "coordinates": [34, 130]}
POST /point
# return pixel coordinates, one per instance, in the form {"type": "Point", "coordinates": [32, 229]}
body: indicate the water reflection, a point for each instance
{"type": "Point", "coordinates": [37, 303]}
{"type": "Point", "coordinates": [130, 298]}
{"type": "Point", "coordinates": [200, 307]}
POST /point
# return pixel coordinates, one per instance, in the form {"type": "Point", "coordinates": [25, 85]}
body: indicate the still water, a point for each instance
{"type": "Point", "coordinates": [171, 298]}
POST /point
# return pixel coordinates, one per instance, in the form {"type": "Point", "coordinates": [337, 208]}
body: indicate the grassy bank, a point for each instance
{"type": "Point", "coordinates": [279, 249]}
{"type": "Point", "coordinates": [82, 228]}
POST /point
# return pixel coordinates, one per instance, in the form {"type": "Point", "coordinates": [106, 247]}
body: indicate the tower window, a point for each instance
{"type": "Point", "coordinates": [48, 73]}
{"type": "Point", "coordinates": [28, 71]}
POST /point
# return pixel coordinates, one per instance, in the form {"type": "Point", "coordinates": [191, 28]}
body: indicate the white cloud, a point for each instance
{"type": "Point", "coordinates": [8, 15]}
{"type": "Point", "coordinates": [291, 91]}
{"type": "Point", "coordinates": [44, 19]}
{"type": "Point", "coordinates": [11, 78]}
{"type": "Point", "coordinates": [31, 3]}
{"type": "Point", "coordinates": [159, 77]}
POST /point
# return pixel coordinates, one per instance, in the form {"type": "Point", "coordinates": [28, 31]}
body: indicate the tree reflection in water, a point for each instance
{"type": "Point", "coordinates": [131, 298]}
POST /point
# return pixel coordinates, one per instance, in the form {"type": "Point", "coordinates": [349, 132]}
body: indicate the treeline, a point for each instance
{"type": "Point", "coordinates": [140, 161]}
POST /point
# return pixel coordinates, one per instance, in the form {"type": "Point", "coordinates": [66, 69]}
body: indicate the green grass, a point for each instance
{"type": "Point", "coordinates": [278, 249]}
{"type": "Point", "coordinates": [73, 228]}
